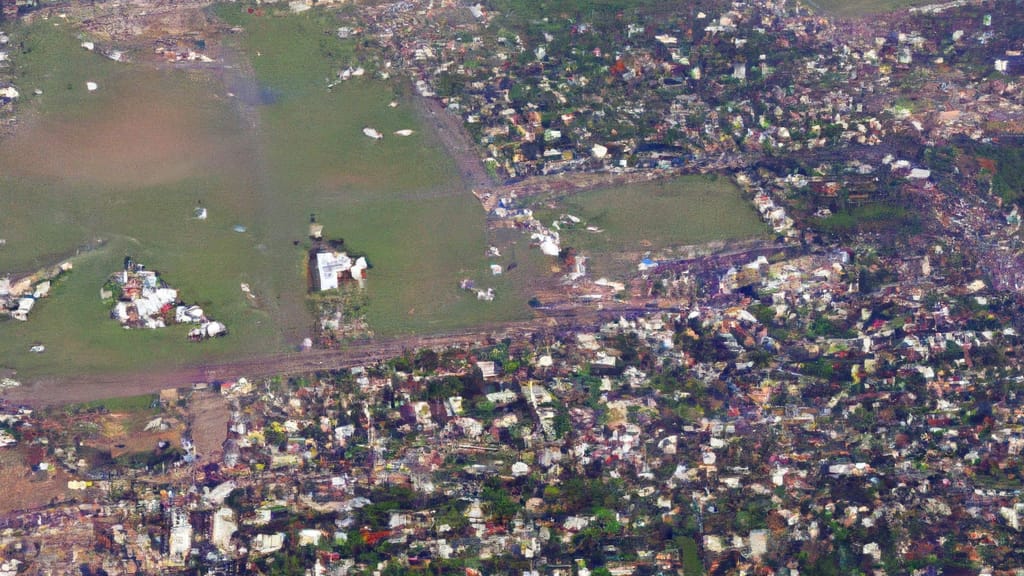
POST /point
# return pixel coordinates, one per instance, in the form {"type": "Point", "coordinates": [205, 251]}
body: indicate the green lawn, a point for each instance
{"type": "Point", "coordinates": [399, 199]}
{"type": "Point", "coordinates": [128, 163]}
{"type": "Point", "coordinates": [123, 166]}
{"type": "Point", "coordinates": [655, 215]}
{"type": "Point", "coordinates": [853, 8]}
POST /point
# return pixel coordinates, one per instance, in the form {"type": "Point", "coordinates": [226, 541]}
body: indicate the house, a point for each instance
{"type": "Point", "coordinates": [224, 526]}
{"type": "Point", "coordinates": [181, 536]}
{"type": "Point", "coordinates": [487, 369]}
{"type": "Point", "coordinates": [329, 268]}
{"type": "Point", "coordinates": [268, 543]}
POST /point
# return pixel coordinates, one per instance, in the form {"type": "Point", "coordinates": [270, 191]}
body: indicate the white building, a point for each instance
{"type": "Point", "coordinates": [224, 526]}
{"type": "Point", "coordinates": [331, 267]}
{"type": "Point", "coordinates": [181, 536]}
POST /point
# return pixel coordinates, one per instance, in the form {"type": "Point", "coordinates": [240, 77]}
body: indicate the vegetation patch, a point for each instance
{"type": "Point", "coordinates": [652, 216]}
{"type": "Point", "coordinates": [853, 8]}
{"type": "Point", "coordinates": [870, 218]}
{"type": "Point", "coordinates": [397, 198]}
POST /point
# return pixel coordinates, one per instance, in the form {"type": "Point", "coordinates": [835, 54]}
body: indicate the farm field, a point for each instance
{"type": "Point", "coordinates": [121, 169]}
{"type": "Point", "coordinates": [652, 216]}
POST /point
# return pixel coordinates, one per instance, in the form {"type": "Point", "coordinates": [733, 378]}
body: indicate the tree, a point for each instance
{"type": "Point", "coordinates": [498, 503]}
{"type": "Point", "coordinates": [426, 360]}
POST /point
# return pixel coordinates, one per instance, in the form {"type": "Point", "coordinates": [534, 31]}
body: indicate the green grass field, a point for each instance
{"type": "Point", "coordinates": [128, 163]}
{"type": "Point", "coordinates": [854, 8]}
{"type": "Point", "coordinates": [398, 199]}
{"type": "Point", "coordinates": [652, 216]}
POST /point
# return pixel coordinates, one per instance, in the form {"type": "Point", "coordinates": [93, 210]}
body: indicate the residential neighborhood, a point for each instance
{"type": "Point", "coordinates": [837, 408]}
{"type": "Point", "coordinates": [839, 392]}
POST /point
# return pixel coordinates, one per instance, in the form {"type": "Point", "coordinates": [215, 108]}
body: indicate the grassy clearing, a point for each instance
{"type": "Point", "coordinates": [854, 8]}
{"type": "Point", "coordinates": [52, 60]}
{"type": "Point", "coordinates": [398, 200]}
{"type": "Point", "coordinates": [127, 165]}
{"type": "Point", "coordinates": [656, 215]}
{"type": "Point", "coordinates": [127, 405]}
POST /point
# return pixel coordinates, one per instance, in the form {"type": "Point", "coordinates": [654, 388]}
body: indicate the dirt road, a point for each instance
{"type": "Point", "coordinates": [52, 391]}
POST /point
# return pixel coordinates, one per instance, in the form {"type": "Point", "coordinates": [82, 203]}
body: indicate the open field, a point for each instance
{"type": "Point", "coordinates": [854, 8]}
{"type": "Point", "coordinates": [398, 199]}
{"type": "Point", "coordinates": [651, 216]}
{"type": "Point", "coordinates": [124, 167]}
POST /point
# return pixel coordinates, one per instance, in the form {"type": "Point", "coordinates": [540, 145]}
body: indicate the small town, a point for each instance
{"type": "Point", "coordinates": [832, 405]}
{"type": "Point", "coordinates": [840, 394]}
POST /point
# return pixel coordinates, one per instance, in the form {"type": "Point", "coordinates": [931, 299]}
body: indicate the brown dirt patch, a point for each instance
{"type": "Point", "coordinates": [24, 488]}
{"type": "Point", "coordinates": [125, 434]}
{"type": "Point", "coordinates": [209, 413]}
{"type": "Point", "coordinates": [137, 136]}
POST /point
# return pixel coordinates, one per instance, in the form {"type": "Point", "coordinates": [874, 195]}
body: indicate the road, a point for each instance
{"type": "Point", "coordinates": [55, 391]}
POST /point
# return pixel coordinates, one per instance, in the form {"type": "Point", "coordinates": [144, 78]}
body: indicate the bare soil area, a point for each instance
{"type": "Point", "coordinates": [208, 415]}
{"type": "Point", "coordinates": [25, 489]}
{"type": "Point", "coordinates": [126, 434]}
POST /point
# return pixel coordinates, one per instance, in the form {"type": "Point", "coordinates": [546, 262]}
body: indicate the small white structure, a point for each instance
{"type": "Point", "coordinates": [372, 133]}
{"type": "Point", "coordinates": [332, 267]}
{"type": "Point", "coordinates": [268, 543]}
{"type": "Point", "coordinates": [224, 526]}
{"type": "Point", "coordinates": [91, 86]}
{"type": "Point", "coordinates": [181, 536]}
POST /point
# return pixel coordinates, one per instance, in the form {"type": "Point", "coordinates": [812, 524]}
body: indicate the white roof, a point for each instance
{"type": "Point", "coordinates": [328, 265]}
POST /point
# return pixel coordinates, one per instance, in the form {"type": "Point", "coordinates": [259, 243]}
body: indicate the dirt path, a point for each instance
{"type": "Point", "coordinates": [449, 129]}
{"type": "Point", "coordinates": [82, 388]}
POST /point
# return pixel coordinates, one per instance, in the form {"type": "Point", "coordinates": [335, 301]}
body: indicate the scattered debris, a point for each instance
{"type": "Point", "coordinates": [470, 286]}
{"type": "Point", "coordinates": [18, 297]}
{"type": "Point", "coordinates": [141, 299]}
{"type": "Point", "coordinates": [329, 269]}
{"type": "Point", "coordinates": [38, 349]}
{"type": "Point", "coordinates": [200, 213]}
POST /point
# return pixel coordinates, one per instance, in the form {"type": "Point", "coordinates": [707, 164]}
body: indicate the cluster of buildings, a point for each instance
{"type": "Point", "coordinates": [702, 87]}
{"type": "Point", "coordinates": [18, 297]}
{"type": "Point", "coordinates": [843, 399]}
{"type": "Point", "coordinates": [836, 407]}
{"type": "Point", "coordinates": [141, 299]}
